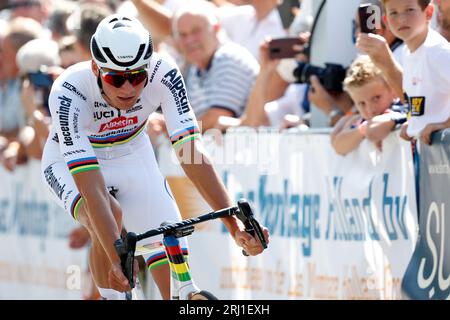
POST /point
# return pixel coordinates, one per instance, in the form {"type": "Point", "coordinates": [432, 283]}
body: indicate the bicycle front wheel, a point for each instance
{"type": "Point", "coordinates": [203, 295]}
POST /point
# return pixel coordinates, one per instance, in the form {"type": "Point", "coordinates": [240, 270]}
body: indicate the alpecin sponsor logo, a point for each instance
{"type": "Point", "coordinates": [53, 182]}
{"type": "Point", "coordinates": [63, 114]}
{"type": "Point", "coordinates": [174, 82]}
{"type": "Point", "coordinates": [117, 123]}
{"type": "Point", "coordinates": [74, 89]}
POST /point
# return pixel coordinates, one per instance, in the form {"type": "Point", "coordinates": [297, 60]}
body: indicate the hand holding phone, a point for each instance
{"type": "Point", "coordinates": [283, 48]}
{"type": "Point", "coordinates": [366, 19]}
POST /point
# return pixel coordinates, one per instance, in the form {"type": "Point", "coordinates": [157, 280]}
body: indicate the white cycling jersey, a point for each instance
{"type": "Point", "coordinates": [88, 134]}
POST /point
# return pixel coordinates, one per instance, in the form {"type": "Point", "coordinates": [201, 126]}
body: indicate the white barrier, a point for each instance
{"type": "Point", "coordinates": [341, 228]}
{"type": "Point", "coordinates": [35, 260]}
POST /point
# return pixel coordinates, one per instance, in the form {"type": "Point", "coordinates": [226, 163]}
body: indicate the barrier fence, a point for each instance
{"type": "Point", "coordinates": [341, 227]}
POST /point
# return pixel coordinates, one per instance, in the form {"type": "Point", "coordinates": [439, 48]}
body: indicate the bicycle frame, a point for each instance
{"type": "Point", "coordinates": [181, 283]}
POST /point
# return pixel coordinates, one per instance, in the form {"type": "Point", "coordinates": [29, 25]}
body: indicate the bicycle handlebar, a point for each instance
{"type": "Point", "coordinates": [126, 247]}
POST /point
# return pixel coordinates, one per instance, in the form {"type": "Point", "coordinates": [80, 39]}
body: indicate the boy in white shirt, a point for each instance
{"type": "Point", "coordinates": [426, 74]}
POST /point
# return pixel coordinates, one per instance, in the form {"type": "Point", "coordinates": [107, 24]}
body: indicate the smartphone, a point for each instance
{"type": "Point", "coordinates": [40, 79]}
{"type": "Point", "coordinates": [365, 14]}
{"type": "Point", "coordinates": [282, 48]}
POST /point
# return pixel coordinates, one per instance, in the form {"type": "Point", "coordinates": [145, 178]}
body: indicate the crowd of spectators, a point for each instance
{"type": "Point", "coordinates": [223, 50]}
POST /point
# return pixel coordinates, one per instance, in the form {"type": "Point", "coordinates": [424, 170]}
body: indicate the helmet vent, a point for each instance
{"type": "Point", "coordinates": [149, 49]}
{"type": "Point", "coordinates": [120, 25]}
{"type": "Point", "coordinates": [96, 52]}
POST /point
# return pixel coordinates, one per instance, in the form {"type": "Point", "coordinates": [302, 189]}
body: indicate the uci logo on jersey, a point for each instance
{"type": "Point", "coordinates": [417, 106]}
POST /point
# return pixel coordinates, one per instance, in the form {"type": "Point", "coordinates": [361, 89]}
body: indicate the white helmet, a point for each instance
{"type": "Point", "coordinates": [121, 43]}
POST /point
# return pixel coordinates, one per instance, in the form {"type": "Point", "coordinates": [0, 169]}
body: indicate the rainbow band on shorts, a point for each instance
{"type": "Point", "coordinates": [160, 259]}
{"type": "Point", "coordinates": [75, 206]}
{"type": "Point", "coordinates": [84, 164]}
{"type": "Point", "coordinates": [184, 135]}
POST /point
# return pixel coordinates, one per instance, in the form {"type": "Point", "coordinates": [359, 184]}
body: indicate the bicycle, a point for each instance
{"type": "Point", "coordinates": [182, 286]}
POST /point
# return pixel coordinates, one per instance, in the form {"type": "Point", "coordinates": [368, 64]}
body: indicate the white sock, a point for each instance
{"type": "Point", "coordinates": [111, 294]}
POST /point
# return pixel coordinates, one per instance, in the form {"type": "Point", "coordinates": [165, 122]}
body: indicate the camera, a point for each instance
{"type": "Point", "coordinates": [331, 77]}
{"type": "Point", "coordinates": [40, 79]}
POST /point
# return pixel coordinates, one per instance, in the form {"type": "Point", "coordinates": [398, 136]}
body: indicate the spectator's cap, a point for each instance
{"type": "Point", "coordinates": [37, 53]}
{"type": "Point", "coordinates": [121, 43]}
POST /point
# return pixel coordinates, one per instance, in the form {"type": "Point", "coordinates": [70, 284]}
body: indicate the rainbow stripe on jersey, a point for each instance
{"type": "Point", "coordinates": [184, 135]}
{"type": "Point", "coordinates": [117, 139]}
{"type": "Point", "coordinates": [84, 164]}
{"type": "Point", "coordinates": [75, 206]}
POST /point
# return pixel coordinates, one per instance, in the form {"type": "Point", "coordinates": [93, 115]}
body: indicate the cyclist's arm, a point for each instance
{"type": "Point", "coordinates": [210, 186]}
{"type": "Point", "coordinates": [92, 187]}
{"type": "Point", "coordinates": [206, 180]}
{"type": "Point", "coordinates": [184, 134]}
{"type": "Point", "coordinates": [71, 118]}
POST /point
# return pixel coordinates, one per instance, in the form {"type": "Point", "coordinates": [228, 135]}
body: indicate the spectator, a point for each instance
{"type": "Point", "coordinates": [57, 20]}
{"type": "Point", "coordinates": [222, 75]}
{"type": "Point", "coordinates": [12, 116]}
{"type": "Point", "coordinates": [375, 101]}
{"type": "Point", "coordinates": [444, 18]}
{"type": "Point", "coordinates": [83, 24]}
{"type": "Point", "coordinates": [38, 10]}
{"type": "Point", "coordinates": [382, 36]}
{"type": "Point", "coordinates": [68, 51]}
{"type": "Point", "coordinates": [426, 73]}
{"type": "Point", "coordinates": [250, 25]}
{"type": "Point", "coordinates": [37, 57]}
{"type": "Point", "coordinates": [267, 106]}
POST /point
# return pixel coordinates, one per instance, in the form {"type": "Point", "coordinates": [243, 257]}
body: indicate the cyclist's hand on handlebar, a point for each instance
{"type": "Point", "coordinates": [117, 279]}
{"type": "Point", "coordinates": [250, 244]}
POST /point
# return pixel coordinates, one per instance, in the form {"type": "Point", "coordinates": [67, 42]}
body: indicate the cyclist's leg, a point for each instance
{"type": "Point", "coordinates": [146, 201]}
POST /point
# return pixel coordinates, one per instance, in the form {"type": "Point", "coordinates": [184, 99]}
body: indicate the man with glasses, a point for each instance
{"type": "Point", "coordinates": [98, 143]}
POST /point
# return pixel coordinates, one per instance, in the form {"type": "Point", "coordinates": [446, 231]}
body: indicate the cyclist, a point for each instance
{"type": "Point", "coordinates": [98, 142]}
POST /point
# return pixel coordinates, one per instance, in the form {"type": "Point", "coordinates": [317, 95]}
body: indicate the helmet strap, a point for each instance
{"type": "Point", "coordinates": [100, 85]}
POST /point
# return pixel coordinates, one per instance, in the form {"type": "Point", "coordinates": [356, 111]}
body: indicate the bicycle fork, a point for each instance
{"type": "Point", "coordinates": [181, 282]}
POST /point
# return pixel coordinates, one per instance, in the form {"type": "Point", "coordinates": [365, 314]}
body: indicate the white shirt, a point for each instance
{"type": "Point", "coordinates": [241, 26]}
{"type": "Point", "coordinates": [226, 83]}
{"type": "Point", "coordinates": [426, 80]}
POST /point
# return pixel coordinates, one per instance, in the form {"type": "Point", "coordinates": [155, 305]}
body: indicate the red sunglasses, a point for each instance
{"type": "Point", "coordinates": [118, 78]}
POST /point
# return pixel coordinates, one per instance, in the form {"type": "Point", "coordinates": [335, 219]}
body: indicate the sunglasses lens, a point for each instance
{"type": "Point", "coordinates": [114, 79]}
{"type": "Point", "coordinates": [137, 78]}
{"type": "Point", "coordinates": [118, 79]}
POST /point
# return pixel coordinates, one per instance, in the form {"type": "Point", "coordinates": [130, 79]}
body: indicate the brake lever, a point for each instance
{"type": "Point", "coordinates": [126, 249]}
{"type": "Point", "coordinates": [252, 226]}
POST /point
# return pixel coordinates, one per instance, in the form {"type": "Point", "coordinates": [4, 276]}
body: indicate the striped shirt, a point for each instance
{"type": "Point", "coordinates": [226, 83]}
